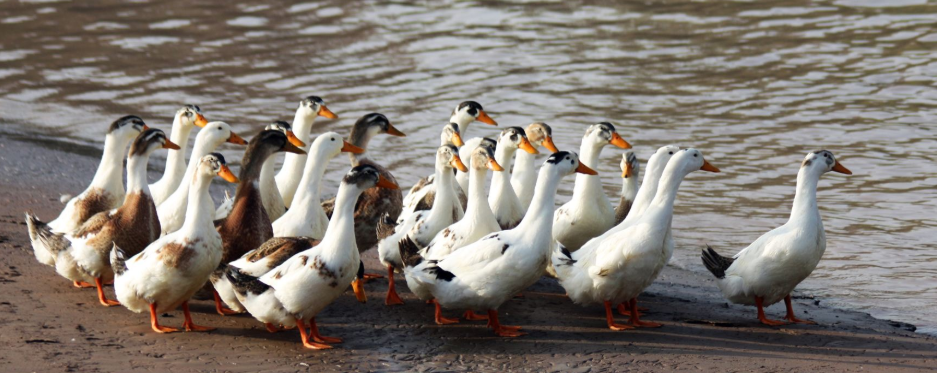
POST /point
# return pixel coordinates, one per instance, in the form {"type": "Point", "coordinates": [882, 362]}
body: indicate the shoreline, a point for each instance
{"type": "Point", "coordinates": [45, 317]}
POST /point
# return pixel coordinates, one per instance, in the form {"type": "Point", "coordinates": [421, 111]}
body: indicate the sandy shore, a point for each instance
{"type": "Point", "coordinates": [47, 325]}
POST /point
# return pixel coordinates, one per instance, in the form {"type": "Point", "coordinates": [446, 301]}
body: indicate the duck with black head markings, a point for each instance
{"type": "Point", "coordinates": [769, 269]}
{"type": "Point", "coordinates": [105, 192]}
{"type": "Point", "coordinates": [310, 108]}
{"type": "Point", "coordinates": [504, 202]}
{"type": "Point", "coordinates": [186, 119]}
{"type": "Point", "coordinates": [464, 114]}
{"type": "Point", "coordinates": [524, 174]}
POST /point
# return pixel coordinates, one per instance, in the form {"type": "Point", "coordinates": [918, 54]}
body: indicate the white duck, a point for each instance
{"type": "Point", "coordinates": [630, 171]}
{"type": "Point", "coordinates": [172, 211]}
{"type": "Point", "coordinates": [294, 292]}
{"type": "Point", "coordinates": [464, 114]}
{"type": "Point", "coordinates": [290, 174]}
{"type": "Point", "coordinates": [627, 260]}
{"type": "Point", "coordinates": [589, 213]}
{"type": "Point", "coordinates": [504, 202]}
{"type": "Point", "coordinates": [485, 274]}
{"type": "Point", "coordinates": [524, 174]}
{"type": "Point", "coordinates": [478, 222]}
{"type": "Point", "coordinates": [422, 195]}
{"type": "Point", "coordinates": [187, 118]}
{"type": "Point", "coordinates": [83, 255]}
{"type": "Point", "coordinates": [770, 268]}
{"type": "Point", "coordinates": [170, 270]}
{"type": "Point", "coordinates": [422, 226]}
{"type": "Point", "coordinates": [105, 192]}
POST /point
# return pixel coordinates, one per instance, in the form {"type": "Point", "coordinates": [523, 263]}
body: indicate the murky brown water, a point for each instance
{"type": "Point", "coordinates": [753, 84]}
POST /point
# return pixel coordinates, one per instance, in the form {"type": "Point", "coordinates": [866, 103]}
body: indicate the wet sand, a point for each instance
{"type": "Point", "coordinates": [47, 325]}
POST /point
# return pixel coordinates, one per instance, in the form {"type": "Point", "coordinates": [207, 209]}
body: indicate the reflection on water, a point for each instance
{"type": "Point", "coordinates": [755, 85]}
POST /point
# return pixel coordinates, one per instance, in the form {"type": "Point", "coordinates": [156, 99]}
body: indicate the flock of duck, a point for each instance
{"type": "Point", "coordinates": [278, 252]}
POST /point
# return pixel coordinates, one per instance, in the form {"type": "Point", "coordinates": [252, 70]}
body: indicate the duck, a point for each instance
{"type": "Point", "coordinates": [303, 224]}
{"type": "Point", "coordinates": [170, 270]}
{"type": "Point", "coordinates": [769, 269]}
{"type": "Point", "coordinates": [524, 174]}
{"type": "Point", "coordinates": [105, 192]}
{"type": "Point", "coordinates": [485, 274]}
{"type": "Point", "coordinates": [375, 205]}
{"type": "Point", "coordinates": [422, 226]}
{"type": "Point", "coordinates": [186, 119]}
{"type": "Point", "coordinates": [83, 255]}
{"type": "Point", "coordinates": [172, 211]}
{"type": "Point", "coordinates": [504, 202]}
{"type": "Point", "coordinates": [464, 114]}
{"type": "Point", "coordinates": [422, 195]}
{"type": "Point", "coordinates": [627, 260]}
{"type": "Point", "coordinates": [270, 195]}
{"type": "Point", "coordinates": [248, 226]}
{"type": "Point", "coordinates": [478, 222]}
{"type": "Point", "coordinates": [630, 172]}
{"type": "Point", "coordinates": [293, 293]}
{"type": "Point", "coordinates": [310, 108]}
{"type": "Point", "coordinates": [589, 213]}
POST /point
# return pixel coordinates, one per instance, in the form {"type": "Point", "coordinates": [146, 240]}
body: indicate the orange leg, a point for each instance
{"type": "Point", "coordinates": [759, 301]}
{"type": "Point", "coordinates": [610, 319]}
{"type": "Point", "coordinates": [500, 330]}
{"type": "Point", "coordinates": [624, 309]}
{"type": "Point", "coordinates": [81, 284]}
{"type": "Point", "coordinates": [371, 276]}
{"type": "Point", "coordinates": [154, 323]}
{"type": "Point", "coordinates": [306, 343]}
{"type": "Point", "coordinates": [271, 328]}
{"type": "Point", "coordinates": [635, 319]}
{"type": "Point", "coordinates": [790, 313]}
{"type": "Point", "coordinates": [219, 305]}
{"type": "Point", "coordinates": [472, 316]}
{"type": "Point", "coordinates": [103, 298]}
{"type": "Point", "coordinates": [314, 333]}
{"type": "Point", "coordinates": [440, 320]}
{"type": "Point", "coordinates": [392, 297]}
{"type": "Point", "coordinates": [189, 325]}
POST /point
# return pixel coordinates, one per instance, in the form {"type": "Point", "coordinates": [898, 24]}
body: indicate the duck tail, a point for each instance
{"type": "Point", "coordinates": [385, 226]}
{"type": "Point", "coordinates": [53, 242]}
{"type": "Point", "coordinates": [33, 224]}
{"type": "Point", "coordinates": [715, 263]}
{"type": "Point", "coordinates": [409, 252]}
{"type": "Point", "coordinates": [244, 283]}
{"type": "Point", "coordinates": [434, 269]}
{"type": "Point", "coordinates": [118, 261]}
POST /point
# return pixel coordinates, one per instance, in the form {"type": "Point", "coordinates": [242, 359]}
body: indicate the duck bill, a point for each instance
{"type": "Point", "coordinates": [235, 139]}
{"type": "Point", "coordinates": [290, 148]}
{"type": "Point", "coordinates": [393, 131]}
{"type": "Point", "coordinates": [838, 167]}
{"type": "Point", "coordinates": [145, 127]}
{"type": "Point", "coordinates": [294, 140]}
{"type": "Point", "coordinates": [358, 286]}
{"type": "Point", "coordinates": [628, 171]}
{"type": "Point", "coordinates": [527, 146]}
{"type": "Point", "coordinates": [457, 140]}
{"type": "Point", "coordinates": [325, 112]}
{"type": "Point", "coordinates": [200, 120]}
{"type": "Point", "coordinates": [227, 175]}
{"type": "Point", "coordinates": [386, 184]}
{"type": "Point", "coordinates": [548, 143]}
{"type": "Point", "coordinates": [170, 145]}
{"type": "Point", "coordinates": [457, 164]}
{"type": "Point", "coordinates": [708, 167]}
{"type": "Point", "coordinates": [583, 169]}
{"type": "Point", "coordinates": [619, 142]}
{"type": "Point", "coordinates": [347, 147]}
{"type": "Point", "coordinates": [484, 118]}
{"type": "Point", "coordinates": [494, 166]}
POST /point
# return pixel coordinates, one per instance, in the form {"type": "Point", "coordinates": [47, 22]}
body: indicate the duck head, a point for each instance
{"type": "Point", "coordinates": [604, 133]}
{"type": "Point", "coordinates": [314, 106]}
{"type": "Point", "coordinates": [218, 132]}
{"type": "Point", "coordinates": [127, 128]}
{"type": "Point", "coordinates": [516, 138]}
{"type": "Point", "coordinates": [689, 160]}
{"type": "Point", "coordinates": [214, 164]}
{"type": "Point", "coordinates": [191, 115]}
{"type": "Point", "coordinates": [369, 126]}
{"type": "Point", "coordinates": [367, 176]}
{"type": "Point", "coordinates": [447, 157]}
{"type": "Point", "coordinates": [329, 144]}
{"type": "Point", "coordinates": [451, 135]}
{"type": "Point", "coordinates": [567, 163]}
{"type": "Point", "coordinates": [484, 157]}
{"type": "Point", "coordinates": [629, 165]}
{"type": "Point", "coordinates": [150, 140]}
{"type": "Point", "coordinates": [287, 130]}
{"type": "Point", "coordinates": [822, 161]}
{"type": "Point", "coordinates": [540, 134]}
{"type": "Point", "coordinates": [469, 111]}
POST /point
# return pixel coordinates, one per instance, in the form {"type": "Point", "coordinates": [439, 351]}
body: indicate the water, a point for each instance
{"type": "Point", "coordinates": [755, 85]}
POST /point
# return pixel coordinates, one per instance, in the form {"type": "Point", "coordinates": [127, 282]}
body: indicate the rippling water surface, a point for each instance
{"type": "Point", "coordinates": [755, 85]}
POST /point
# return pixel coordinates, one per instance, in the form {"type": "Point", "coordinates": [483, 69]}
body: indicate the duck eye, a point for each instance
{"type": "Point", "coordinates": [695, 154]}
{"type": "Point", "coordinates": [671, 153]}
{"type": "Point", "coordinates": [219, 128]}
{"type": "Point", "coordinates": [333, 139]}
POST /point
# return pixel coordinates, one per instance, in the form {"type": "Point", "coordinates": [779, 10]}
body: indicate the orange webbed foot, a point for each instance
{"type": "Point", "coordinates": [191, 327]}
{"type": "Point", "coordinates": [163, 329]}
{"type": "Point", "coordinates": [392, 298]}
{"type": "Point", "coordinates": [316, 346]}
{"type": "Point", "coordinates": [509, 333]}
{"type": "Point", "coordinates": [82, 284]}
{"type": "Point", "coordinates": [109, 302]}
{"type": "Point", "coordinates": [271, 328]}
{"type": "Point", "coordinates": [472, 316]}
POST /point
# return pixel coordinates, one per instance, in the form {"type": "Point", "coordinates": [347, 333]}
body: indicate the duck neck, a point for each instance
{"type": "Point", "coordinates": [268, 181]}
{"type": "Point", "coordinates": [200, 208]}
{"type": "Point", "coordinates": [477, 208]}
{"type": "Point", "coordinates": [805, 196]}
{"type": "Point", "coordinates": [302, 126]}
{"type": "Point", "coordinates": [538, 221]}
{"type": "Point", "coordinates": [359, 137]}
{"type": "Point", "coordinates": [501, 181]}
{"type": "Point", "coordinates": [341, 229]}
{"type": "Point", "coordinates": [307, 194]}
{"type": "Point", "coordinates": [589, 185]}
{"type": "Point", "coordinates": [109, 175]}
{"type": "Point", "coordinates": [647, 192]}
{"type": "Point", "coordinates": [136, 174]}
{"type": "Point", "coordinates": [629, 187]}
{"type": "Point", "coordinates": [445, 195]}
{"type": "Point", "coordinates": [175, 160]}
{"type": "Point", "coordinates": [524, 163]}
{"type": "Point", "coordinates": [662, 205]}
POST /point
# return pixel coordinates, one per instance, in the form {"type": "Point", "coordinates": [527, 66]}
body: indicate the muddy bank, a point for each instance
{"type": "Point", "coordinates": [46, 325]}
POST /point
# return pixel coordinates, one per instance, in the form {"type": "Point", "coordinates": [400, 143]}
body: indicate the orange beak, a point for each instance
{"type": "Point", "coordinates": [457, 164]}
{"type": "Point", "coordinates": [619, 142]}
{"type": "Point", "coordinates": [386, 184]}
{"type": "Point", "coordinates": [227, 175]}
{"type": "Point", "coordinates": [583, 169]}
{"type": "Point", "coordinates": [358, 287]}
{"type": "Point", "coordinates": [200, 120]}
{"type": "Point", "coordinates": [626, 173]}
{"type": "Point", "coordinates": [325, 112]}
{"type": "Point", "coordinates": [708, 167]}
{"type": "Point", "coordinates": [294, 140]}
{"type": "Point", "coordinates": [235, 139]}
{"type": "Point", "coordinates": [170, 145]}
{"type": "Point", "coordinates": [838, 167]}
{"type": "Point", "coordinates": [349, 148]}
{"type": "Point", "coordinates": [457, 140]}
{"type": "Point", "coordinates": [290, 148]}
{"type": "Point", "coordinates": [493, 165]}
{"type": "Point", "coordinates": [145, 127]}
{"type": "Point", "coordinates": [393, 131]}
{"type": "Point", "coordinates": [548, 143]}
{"type": "Point", "coordinates": [527, 147]}
{"type": "Point", "coordinates": [484, 118]}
